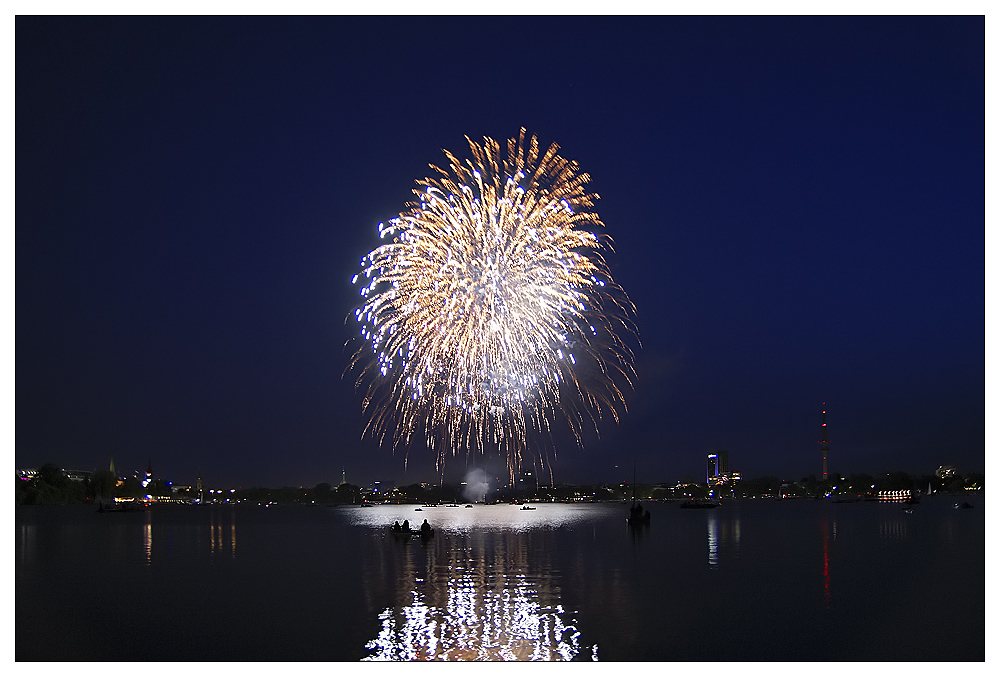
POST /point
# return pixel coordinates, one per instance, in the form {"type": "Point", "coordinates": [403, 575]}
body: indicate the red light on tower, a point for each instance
{"type": "Point", "coordinates": [824, 449]}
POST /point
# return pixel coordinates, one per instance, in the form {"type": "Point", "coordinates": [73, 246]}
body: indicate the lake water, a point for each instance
{"type": "Point", "coordinates": [793, 580]}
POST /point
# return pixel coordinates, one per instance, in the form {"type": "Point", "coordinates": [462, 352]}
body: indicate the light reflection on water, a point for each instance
{"type": "Point", "coordinates": [474, 621]}
{"type": "Point", "coordinates": [555, 583]}
{"type": "Point", "coordinates": [216, 536]}
{"type": "Point", "coordinates": [479, 517]}
{"type": "Point", "coordinates": [723, 533]}
{"type": "Point", "coordinates": [480, 589]}
{"type": "Point", "coordinates": [713, 539]}
{"type": "Point", "coordinates": [147, 537]}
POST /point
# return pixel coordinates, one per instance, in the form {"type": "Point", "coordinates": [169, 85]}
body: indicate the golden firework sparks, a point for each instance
{"type": "Point", "coordinates": [491, 309]}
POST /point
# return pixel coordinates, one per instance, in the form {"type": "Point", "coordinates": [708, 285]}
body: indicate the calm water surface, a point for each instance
{"type": "Point", "coordinates": [794, 580]}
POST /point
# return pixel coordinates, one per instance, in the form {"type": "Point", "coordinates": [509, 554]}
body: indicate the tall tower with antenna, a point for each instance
{"type": "Point", "coordinates": [825, 444]}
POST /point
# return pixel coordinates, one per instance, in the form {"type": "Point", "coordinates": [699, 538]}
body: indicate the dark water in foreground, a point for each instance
{"type": "Point", "coordinates": [797, 580]}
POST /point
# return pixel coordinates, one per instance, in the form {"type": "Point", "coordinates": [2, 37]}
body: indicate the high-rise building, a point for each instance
{"type": "Point", "coordinates": [718, 463]}
{"type": "Point", "coordinates": [718, 471]}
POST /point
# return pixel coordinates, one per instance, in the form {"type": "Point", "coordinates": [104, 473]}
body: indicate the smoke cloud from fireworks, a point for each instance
{"type": "Point", "coordinates": [477, 484]}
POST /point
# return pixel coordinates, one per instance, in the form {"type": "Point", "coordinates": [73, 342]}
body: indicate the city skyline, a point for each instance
{"type": "Point", "coordinates": [796, 205]}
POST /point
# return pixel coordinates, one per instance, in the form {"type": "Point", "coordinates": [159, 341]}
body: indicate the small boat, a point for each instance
{"type": "Point", "coordinates": [418, 510]}
{"type": "Point", "coordinates": [636, 518]}
{"type": "Point", "coordinates": [700, 503]}
{"type": "Point", "coordinates": [469, 506]}
{"type": "Point", "coordinates": [399, 533]}
{"type": "Point", "coordinates": [526, 507]}
{"type": "Point", "coordinates": [962, 506]}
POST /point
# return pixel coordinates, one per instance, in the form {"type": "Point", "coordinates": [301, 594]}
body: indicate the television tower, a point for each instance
{"type": "Point", "coordinates": [825, 449]}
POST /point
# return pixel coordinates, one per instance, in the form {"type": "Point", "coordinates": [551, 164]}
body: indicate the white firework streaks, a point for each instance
{"type": "Point", "coordinates": [492, 309]}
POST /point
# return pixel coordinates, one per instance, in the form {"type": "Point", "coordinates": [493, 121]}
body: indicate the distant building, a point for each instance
{"type": "Point", "coordinates": [73, 475]}
{"type": "Point", "coordinates": [944, 471]}
{"type": "Point", "coordinates": [718, 473]}
{"type": "Point", "coordinates": [718, 464]}
{"type": "Point", "coordinates": [525, 480]}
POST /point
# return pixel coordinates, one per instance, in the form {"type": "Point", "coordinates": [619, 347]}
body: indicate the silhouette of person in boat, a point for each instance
{"type": "Point", "coordinates": [638, 515]}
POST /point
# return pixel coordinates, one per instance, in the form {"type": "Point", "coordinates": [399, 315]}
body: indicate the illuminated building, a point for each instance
{"type": "Point", "coordinates": [718, 464]}
{"type": "Point", "coordinates": [72, 475]}
{"type": "Point", "coordinates": [718, 473]}
{"type": "Point", "coordinates": [118, 480]}
{"type": "Point", "coordinates": [945, 471]}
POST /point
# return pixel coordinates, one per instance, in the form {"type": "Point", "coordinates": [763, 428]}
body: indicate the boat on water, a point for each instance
{"type": "Point", "coordinates": [962, 506]}
{"type": "Point", "coordinates": [410, 533]}
{"type": "Point", "coordinates": [404, 531]}
{"type": "Point", "coordinates": [700, 503]}
{"type": "Point", "coordinates": [526, 507]}
{"type": "Point", "coordinates": [469, 505]}
{"type": "Point", "coordinates": [638, 517]}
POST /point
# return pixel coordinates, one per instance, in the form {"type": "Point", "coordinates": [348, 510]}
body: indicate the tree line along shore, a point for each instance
{"type": "Point", "coordinates": [51, 485]}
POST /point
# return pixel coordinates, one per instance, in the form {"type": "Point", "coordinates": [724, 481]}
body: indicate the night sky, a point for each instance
{"type": "Point", "coordinates": [797, 206]}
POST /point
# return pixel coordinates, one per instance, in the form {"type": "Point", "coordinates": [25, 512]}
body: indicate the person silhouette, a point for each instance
{"type": "Point", "coordinates": [425, 527]}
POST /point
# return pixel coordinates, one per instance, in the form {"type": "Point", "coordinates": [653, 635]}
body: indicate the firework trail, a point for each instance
{"type": "Point", "coordinates": [491, 310]}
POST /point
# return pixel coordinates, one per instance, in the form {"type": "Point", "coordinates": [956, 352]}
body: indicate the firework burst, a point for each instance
{"type": "Point", "coordinates": [490, 311]}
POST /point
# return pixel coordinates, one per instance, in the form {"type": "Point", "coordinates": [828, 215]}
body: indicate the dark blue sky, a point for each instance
{"type": "Point", "coordinates": [797, 206]}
